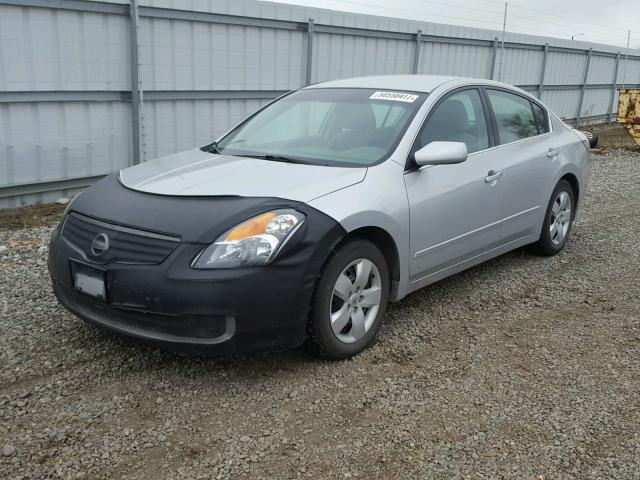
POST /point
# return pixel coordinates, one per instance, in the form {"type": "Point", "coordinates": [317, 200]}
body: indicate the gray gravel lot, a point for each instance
{"type": "Point", "coordinates": [524, 368]}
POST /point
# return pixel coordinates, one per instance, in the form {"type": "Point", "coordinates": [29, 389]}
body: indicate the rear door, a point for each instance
{"type": "Point", "coordinates": [455, 210]}
{"type": "Point", "coordinates": [526, 154]}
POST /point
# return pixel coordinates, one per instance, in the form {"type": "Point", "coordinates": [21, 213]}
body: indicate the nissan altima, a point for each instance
{"type": "Point", "coordinates": [300, 224]}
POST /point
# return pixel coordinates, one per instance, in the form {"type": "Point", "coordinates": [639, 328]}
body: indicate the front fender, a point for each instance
{"type": "Point", "coordinates": [379, 201]}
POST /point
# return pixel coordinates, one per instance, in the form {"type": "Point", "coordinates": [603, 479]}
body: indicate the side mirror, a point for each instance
{"type": "Point", "coordinates": [441, 153]}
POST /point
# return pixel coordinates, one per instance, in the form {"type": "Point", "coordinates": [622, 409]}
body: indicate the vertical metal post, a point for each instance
{"type": "Point", "coordinates": [626, 60]}
{"type": "Point", "coordinates": [504, 29]}
{"type": "Point", "coordinates": [494, 55]}
{"type": "Point", "coordinates": [136, 92]}
{"type": "Point", "coordinates": [614, 84]}
{"type": "Point", "coordinates": [543, 70]}
{"type": "Point", "coordinates": [309, 51]}
{"type": "Point", "coordinates": [416, 56]}
{"type": "Point", "coordinates": [584, 86]}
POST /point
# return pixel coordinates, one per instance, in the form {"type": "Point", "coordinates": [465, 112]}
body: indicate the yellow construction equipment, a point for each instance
{"type": "Point", "coordinates": [629, 111]}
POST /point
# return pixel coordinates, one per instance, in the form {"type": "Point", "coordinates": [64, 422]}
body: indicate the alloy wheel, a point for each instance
{"type": "Point", "coordinates": [355, 301]}
{"type": "Point", "coordinates": [560, 218]}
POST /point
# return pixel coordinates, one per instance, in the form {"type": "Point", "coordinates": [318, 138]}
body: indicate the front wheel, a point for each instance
{"type": "Point", "coordinates": [349, 301]}
{"type": "Point", "coordinates": [558, 220]}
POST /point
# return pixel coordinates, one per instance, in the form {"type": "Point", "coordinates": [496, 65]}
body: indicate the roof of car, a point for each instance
{"type": "Point", "coordinates": [414, 83]}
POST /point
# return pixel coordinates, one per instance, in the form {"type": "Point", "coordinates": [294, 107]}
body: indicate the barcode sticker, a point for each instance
{"type": "Point", "coordinates": [394, 96]}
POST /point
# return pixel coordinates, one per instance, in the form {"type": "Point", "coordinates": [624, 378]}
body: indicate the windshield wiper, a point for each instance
{"type": "Point", "coordinates": [213, 148]}
{"type": "Point", "coordinates": [275, 158]}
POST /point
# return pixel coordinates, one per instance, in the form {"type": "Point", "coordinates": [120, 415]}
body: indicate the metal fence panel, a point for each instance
{"type": "Point", "coordinates": [564, 101]}
{"type": "Point", "coordinates": [340, 56]}
{"type": "Point", "coordinates": [631, 74]}
{"type": "Point", "coordinates": [521, 66]}
{"type": "Point", "coordinates": [454, 59]}
{"type": "Point", "coordinates": [175, 125]}
{"type": "Point", "coordinates": [601, 69]}
{"type": "Point", "coordinates": [42, 49]}
{"type": "Point", "coordinates": [596, 103]}
{"type": "Point", "coordinates": [564, 68]}
{"type": "Point", "coordinates": [56, 140]}
{"type": "Point", "coordinates": [45, 142]}
{"type": "Point", "coordinates": [78, 99]}
{"type": "Point", "coordinates": [183, 55]}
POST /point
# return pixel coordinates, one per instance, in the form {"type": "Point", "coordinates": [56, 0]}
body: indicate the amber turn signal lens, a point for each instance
{"type": "Point", "coordinates": [254, 226]}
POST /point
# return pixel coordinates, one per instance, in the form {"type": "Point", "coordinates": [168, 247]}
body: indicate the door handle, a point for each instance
{"type": "Point", "coordinates": [553, 152]}
{"type": "Point", "coordinates": [492, 176]}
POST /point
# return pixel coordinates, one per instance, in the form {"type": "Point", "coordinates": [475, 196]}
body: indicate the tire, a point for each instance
{"type": "Point", "coordinates": [552, 241]}
{"type": "Point", "coordinates": [356, 317]}
{"type": "Point", "coordinates": [592, 137]}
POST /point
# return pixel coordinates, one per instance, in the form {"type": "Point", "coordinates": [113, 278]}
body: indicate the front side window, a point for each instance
{"type": "Point", "coordinates": [458, 118]}
{"type": "Point", "coordinates": [326, 126]}
{"type": "Point", "coordinates": [514, 116]}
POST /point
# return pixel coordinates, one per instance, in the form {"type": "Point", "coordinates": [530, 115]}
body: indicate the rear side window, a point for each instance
{"type": "Point", "coordinates": [514, 116]}
{"type": "Point", "coordinates": [542, 120]}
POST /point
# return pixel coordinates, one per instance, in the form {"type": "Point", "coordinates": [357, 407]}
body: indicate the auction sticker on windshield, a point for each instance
{"type": "Point", "coordinates": [395, 96]}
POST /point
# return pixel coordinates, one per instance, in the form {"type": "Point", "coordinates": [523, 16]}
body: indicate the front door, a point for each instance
{"type": "Point", "coordinates": [455, 210]}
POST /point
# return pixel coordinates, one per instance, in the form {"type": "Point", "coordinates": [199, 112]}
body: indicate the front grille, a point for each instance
{"type": "Point", "coordinates": [122, 245]}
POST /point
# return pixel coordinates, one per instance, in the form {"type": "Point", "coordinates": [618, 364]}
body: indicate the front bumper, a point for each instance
{"type": "Point", "coordinates": [175, 307]}
{"type": "Point", "coordinates": [180, 331]}
{"type": "Point", "coordinates": [178, 308]}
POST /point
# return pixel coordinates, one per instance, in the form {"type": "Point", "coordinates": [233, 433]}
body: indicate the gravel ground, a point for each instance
{"type": "Point", "coordinates": [522, 368]}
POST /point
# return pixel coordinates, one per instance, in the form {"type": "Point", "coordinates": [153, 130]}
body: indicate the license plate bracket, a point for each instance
{"type": "Point", "coordinates": [89, 280]}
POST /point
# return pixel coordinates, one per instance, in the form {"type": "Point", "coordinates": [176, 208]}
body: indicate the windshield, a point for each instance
{"type": "Point", "coordinates": [326, 126]}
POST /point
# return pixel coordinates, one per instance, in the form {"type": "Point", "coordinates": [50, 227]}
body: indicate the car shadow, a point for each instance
{"type": "Point", "coordinates": [458, 287]}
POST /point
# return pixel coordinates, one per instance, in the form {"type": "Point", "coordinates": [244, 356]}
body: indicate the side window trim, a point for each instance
{"type": "Point", "coordinates": [494, 122]}
{"type": "Point", "coordinates": [494, 138]}
{"type": "Point", "coordinates": [485, 109]}
{"type": "Point", "coordinates": [535, 119]}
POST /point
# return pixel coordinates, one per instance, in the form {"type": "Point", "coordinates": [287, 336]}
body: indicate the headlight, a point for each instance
{"type": "Point", "coordinates": [254, 242]}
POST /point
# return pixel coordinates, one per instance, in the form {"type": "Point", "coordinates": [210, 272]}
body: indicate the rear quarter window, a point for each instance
{"type": "Point", "coordinates": [541, 117]}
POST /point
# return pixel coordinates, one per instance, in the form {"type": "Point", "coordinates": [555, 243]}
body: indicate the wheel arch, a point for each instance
{"type": "Point", "coordinates": [572, 175]}
{"type": "Point", "coordinates": [387, 245]}
{"type": "Point", "coordinates": [572, 179]}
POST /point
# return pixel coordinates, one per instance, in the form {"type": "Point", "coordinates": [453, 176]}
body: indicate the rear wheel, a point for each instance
{"type": "Point", "coordinates": [349, 302]}
{"type": "Point", "coordinates": [558, 220]}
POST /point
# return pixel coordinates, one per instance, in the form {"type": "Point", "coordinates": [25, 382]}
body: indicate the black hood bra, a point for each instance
{"type": "Point", "coordinates": [192, 219]}
{"type": "Point", "coordinates": [150, 283]}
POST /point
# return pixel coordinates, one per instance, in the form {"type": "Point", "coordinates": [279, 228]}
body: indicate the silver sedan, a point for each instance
{"type": "Point", "coordinates": [302, 222]}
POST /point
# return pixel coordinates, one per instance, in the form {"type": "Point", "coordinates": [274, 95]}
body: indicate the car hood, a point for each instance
{"type": "Point", "coordinates": [198, 173]}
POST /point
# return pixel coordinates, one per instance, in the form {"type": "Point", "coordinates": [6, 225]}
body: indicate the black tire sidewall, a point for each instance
{"type": "Point", "coordinates": [546, 245]}
{"type": "Point", "coordinates": [592, 137]}
{"type": "Point", "coordinates": [323, 341]}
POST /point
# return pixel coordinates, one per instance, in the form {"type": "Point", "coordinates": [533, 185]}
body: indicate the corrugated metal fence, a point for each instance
{"type": "Point", "coordinates": [87, 88]}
